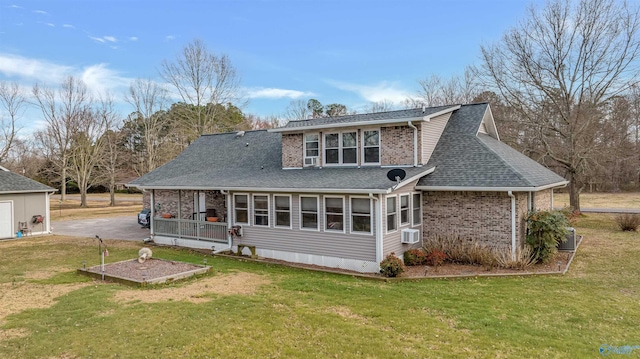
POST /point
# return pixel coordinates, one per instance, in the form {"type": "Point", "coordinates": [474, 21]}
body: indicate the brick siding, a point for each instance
{"type": "Point", "coordinates": [396, 145]}
{"type": "Point", "coordinates": [292, 150]}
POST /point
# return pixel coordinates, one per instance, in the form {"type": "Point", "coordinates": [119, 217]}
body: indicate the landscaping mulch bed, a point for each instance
{"type": "Point", "coordinates": [152, 271]}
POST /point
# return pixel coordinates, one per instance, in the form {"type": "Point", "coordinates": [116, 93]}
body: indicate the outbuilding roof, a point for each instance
{"type": "Point", "coordinates": [14, 183]}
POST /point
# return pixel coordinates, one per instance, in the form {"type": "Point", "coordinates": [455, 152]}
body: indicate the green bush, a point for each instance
{"type": "Point", "coordinates": [545, 229]}
{"type": "Point", "coordinates": [391, 266]}
{"type": "Point", "coordinates": [415, 257]}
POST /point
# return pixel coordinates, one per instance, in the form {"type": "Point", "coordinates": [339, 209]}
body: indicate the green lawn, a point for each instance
{"type": "Point", "coordinates": [304, 314]}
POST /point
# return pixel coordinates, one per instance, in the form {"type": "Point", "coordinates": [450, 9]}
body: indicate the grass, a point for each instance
{"type": "Point", "coordinates": [306, 314]}
{"type": "Point", "coordinates": [97, 206]}
{"type": "Point", "coordinates": [600, 200]}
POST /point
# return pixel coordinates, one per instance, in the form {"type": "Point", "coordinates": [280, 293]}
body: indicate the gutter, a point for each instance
{"type": "Point", "coordinates": [415, 143]}
{"type": "Point", "coordinates": [513, 225]}
{"type": "Point", "coordinates": [492, 189]}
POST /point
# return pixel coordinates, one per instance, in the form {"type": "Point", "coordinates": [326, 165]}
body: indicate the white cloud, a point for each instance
{"type": "Point", "coordinates": [110, 38]}
{"type": "Point", "coordinates": [100, 79]}
{"type": "Point", "coordinates": [97, 39]}
{"type": "Point", "coordinates": [15, 7]}
{"type": "Point", "coordinates": [68, 26]}
{"type": "Point", "coordinates": [389, 91]}
{"type": "Point", "coordinates": [133, 38]}
{"type": "Point", "coordinates": [32, 69]}
{"type": "Point", "coordinates": [169, 37]}
{"type": "Point", "coordinates": [41, 12]}
{"type": "Point", "coordinates": [49, 24]}
{"type": "Point", "coordinates": [274, 93]}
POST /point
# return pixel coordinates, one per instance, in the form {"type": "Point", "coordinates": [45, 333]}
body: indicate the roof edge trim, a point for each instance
{"type": "Point", "coordinates": [345, 124]}
{"type": "Point", "coordinates": [266, 189]}
{"type": "Point", "coordinates": [411, 179]}
{"type": "Point", "coordinates": [492, 189]}
{"type": "Point", "coordinates": [428, 118]}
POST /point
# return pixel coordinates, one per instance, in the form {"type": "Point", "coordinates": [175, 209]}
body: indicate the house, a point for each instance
{"type": "Point", "coordinates": [345, 192]}
{"type": "Point", "coordinates": [24, 205]}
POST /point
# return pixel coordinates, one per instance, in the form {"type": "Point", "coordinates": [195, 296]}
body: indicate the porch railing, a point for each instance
{"type": "Point", "coordinates": [190, 229]}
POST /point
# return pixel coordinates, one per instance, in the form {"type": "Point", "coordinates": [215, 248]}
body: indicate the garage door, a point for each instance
{"type": "Point", "coordinates": [6, 219]}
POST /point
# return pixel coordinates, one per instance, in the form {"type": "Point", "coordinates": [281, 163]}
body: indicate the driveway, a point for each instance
{"type": "Point", "coordinates": [124, 227]}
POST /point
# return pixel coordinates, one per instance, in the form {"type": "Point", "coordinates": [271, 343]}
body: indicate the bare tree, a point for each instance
{"type": "Point", "coordinates": [111, 140]}
{"type": "Point", "coordinates": [13, 103]}
{"type": "Point", "coordinates": [380, 106]}
{"type": "Point", "coordinates": [149, 100]}
{"type": "Point", "coordinates": [200, 78]}
{"type": "Point", "coordinates": [558, 68]}
{"type": "Point", "coordinates": [62, 110]}
{"type": "Point", "coordinates": [438, 91]}
{"type": "Point", "coordinates": [297, 110]}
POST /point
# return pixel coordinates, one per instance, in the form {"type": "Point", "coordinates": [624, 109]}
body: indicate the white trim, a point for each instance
{"type": "Point", "coordinates": [409, 209]}
{"type": "Point", "coordinates": [411, 179]}
{"type": "Point", "coordinates": [493, 130]}
{"type": "Point", "coordinates": [413, 222]}
{"type": "Point", "coordinates": [12, 228]}
{"type": "Point", "coordinates": [441, 112]}
{"type": "Point", "coordinates": [386, 213]}
{"type": "Point", "coordinates": [379, 237]}
{"type": "Point", "coordinates": [326, 222]}
{"type": "Point", "coordinates": [513, 225]}
{"type": "Point", "coordinates": [340, 149]}
{"type": "Point", "coordinates": [317, 229]}
{"type": "Point", "coordinates": [351, 216]}
{"type": "Point", "coordinates": [52, 191]}
{"type": "Point", "coordinates": [491, 189]}
{"type": "Point", "coordinates": [47, 212]}
{"type": "Point", "coordinates": [275, 211]}
{"type": "Point", "coordinates": [362, 162]}
{"type": "Point", "coordinates": [253, 212]}
{"type": "Point", "coordinates": [233, 209]}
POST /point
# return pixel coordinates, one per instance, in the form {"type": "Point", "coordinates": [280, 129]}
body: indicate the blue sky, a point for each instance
{"type": "Point", "coordinates": [350, 52]}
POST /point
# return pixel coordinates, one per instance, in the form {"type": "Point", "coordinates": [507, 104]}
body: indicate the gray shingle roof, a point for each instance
{"type": "Point", "coordinates": [14, 183]}
{"type": "Point", "coordinates": [365, 117]}
{"type": "Point", "coordinates": [254, 161]}
{"type": "Point", "coordinates": [464, 159]}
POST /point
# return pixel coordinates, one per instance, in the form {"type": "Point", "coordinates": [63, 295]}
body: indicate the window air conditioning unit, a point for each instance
{"type": "Point", "coordinates": [310, 161]}
{"type": "Point", "coordinates": [570, 244]}
{"type": "Point", "coordinates": [410, 236]}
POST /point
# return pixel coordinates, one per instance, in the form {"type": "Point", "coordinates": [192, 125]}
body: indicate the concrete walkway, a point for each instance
{"type": "Point", "coordinates": [123, 227]}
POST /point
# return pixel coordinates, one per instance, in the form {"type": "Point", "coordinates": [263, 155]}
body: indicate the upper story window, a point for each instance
{"type": "Point", "coordinates": [341, 148]}
{"type": "Point", "coordinates": [371, 146]}
{"type": "Point", "coordinates": [311, 145]}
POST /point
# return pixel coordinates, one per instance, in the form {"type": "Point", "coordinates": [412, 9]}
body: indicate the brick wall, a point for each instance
{"type": "Point", "coordinates": [483, 216]}
{"type": "Point", "coordinates": [292, 150]}
{"type": "Point", "coordinates": [168, 201]}
{"type": "Point", "coordinates": [542, 200]}
{"type": "Point", "coordinates": [396, 145]}
{"type": "Point", "coordinates": [146, 199]}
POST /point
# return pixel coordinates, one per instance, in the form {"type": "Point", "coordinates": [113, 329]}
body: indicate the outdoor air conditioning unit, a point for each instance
{"type": "Point", "coordinates": [310, 161]}
{"type": "Point", "coordinates": [410, 236]}
{"type": "Point", "coordinates": [570, 244]}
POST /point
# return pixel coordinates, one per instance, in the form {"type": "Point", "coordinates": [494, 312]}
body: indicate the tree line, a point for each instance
{"type": "Point", "coordinates": [563, 85]}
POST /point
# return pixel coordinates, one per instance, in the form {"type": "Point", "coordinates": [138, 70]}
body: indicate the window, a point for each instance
{"type": "Point", "coordinates": [404, 209]}
{"type": "Point", "coordinates": [311, 145]}
{"type": "Point", "coordinates": [309, 212]}
{"type": "Point", "coordinates": [417, 209]}
{"type": "Point", "coordinates": [341, 148]}
{"type": "Point", "coordinates": [371, 146]}
{"type": "Point", "coordinates": [241, 205]}
{"type": "Point", "coordinates": [261, 210]}
{"type": "Point", "coordinates": [283, 211]}
{"type": "Point", "coordinates": [361, 215]}
{"type": "Point", "coordinates": [392, 214]}
{"type": "Point", "coordinates": [334, 213]}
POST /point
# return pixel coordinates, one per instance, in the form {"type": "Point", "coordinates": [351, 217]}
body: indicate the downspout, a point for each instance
{"type": "Point", "coordinates": [227, 200]}
{"type": "Point", "coordinates": [415, 144]}
{"type": "Point", "coordinates": [152, 201]}
{"type": "Point", "coordinates": [513, 225]}
{"type": "Point", "coordinates": [379, 243]}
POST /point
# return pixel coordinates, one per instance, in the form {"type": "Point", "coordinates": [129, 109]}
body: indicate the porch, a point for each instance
{"type": "Point", "coordinates": [191, 229]}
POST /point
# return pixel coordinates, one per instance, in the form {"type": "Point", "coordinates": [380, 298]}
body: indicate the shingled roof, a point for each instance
{"type": "Point", "coordinates": [14, 183]}
{"type": "Point", "coordinates": [253, 161]}
{"type": "Point", "coordinates": [466, 159]}
{"type": "Point", "coordinates": [463, 160]}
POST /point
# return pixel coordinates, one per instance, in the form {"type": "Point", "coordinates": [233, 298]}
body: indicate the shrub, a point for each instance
{"type": "Point", "coordinates": [460, 250]}
{"type": "Point", "coordinates": [628, 221]}
{"type": "Point", "coordinates": [524, 258]}
{"type": "Point", "coordinates": [545, 229]}
{"type": "Point", "coordinates": [436, 258]}
{"type": "Point", "coordinates": [391, 266]}
{"type": "Point", "coordinates": [415, 257]}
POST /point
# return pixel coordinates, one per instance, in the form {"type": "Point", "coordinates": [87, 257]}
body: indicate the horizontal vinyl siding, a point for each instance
{"type": "Point", "coordinates": [391, 241]}
{"type": "Point", "coordinates": [27, 205]}
{"type": "Point", "coordinates": [323, 243]}
{"type": "Point", "coordinates": [430, 134]}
